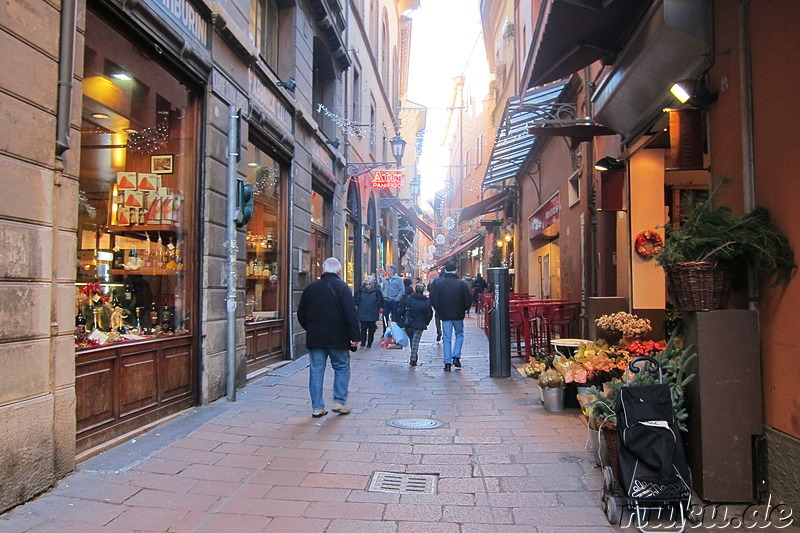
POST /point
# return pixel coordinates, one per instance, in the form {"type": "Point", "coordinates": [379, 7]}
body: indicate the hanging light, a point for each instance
{"type": "Point", "coordinates": [398, 148]}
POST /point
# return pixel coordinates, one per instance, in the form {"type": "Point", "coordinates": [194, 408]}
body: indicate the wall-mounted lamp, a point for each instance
{"type": "Point", "coordinates": [693, 92]}
{"type": "Point", "coordinates": [398, 149]}
{"type": "Point", "coordinates": [500, 243]}
{"type": "Point", "coordinates": [507, 237]}
{"type": "Point", "coordinates": [289, 84]}
{"type": "Point", "coordinates": [333, 142]}
{"type": "Point", "coordinates": [609, 163]}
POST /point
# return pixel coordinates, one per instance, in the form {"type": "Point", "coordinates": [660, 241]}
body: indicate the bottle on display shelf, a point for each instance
{"type": "Point", "coordinates": [153, 316]}
{"type": "Point", "coordinates": [148, 252]}
{"type": "Point", "coordinates": [159, 253]}
{"type": "Point", "coordinates": [80, 320]}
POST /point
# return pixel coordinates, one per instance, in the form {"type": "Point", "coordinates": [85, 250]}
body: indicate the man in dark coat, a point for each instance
{"type": "Point", "coordinates": [451, 299]}
{"type": "Point", "coordinates": [478, 288]}
{"type": "Point", "coordinates": [328, 314]}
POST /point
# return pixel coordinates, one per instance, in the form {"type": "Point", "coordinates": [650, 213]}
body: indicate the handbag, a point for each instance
{"type": "Point", "coordinates": [405, 319]}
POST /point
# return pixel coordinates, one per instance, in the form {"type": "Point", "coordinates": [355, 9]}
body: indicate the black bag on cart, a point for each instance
{"type": "Point", "coordinates": [652, 462]}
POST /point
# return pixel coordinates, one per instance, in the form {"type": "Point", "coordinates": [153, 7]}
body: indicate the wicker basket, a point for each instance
{"type": "Point", "coordinates": [699, 285]}
{"type": "Point", "coordinates": [609, 432]}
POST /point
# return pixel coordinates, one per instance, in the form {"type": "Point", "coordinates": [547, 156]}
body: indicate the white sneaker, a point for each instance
{"type": "Point", "coordinates": [341, 409]}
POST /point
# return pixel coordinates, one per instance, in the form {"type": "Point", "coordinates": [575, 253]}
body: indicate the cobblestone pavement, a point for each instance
{"type": "Point", "coordinates": [498, 462]}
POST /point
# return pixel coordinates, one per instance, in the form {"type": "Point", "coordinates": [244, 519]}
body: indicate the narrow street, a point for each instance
{"type": "Point", "coordinates": [498, 462]}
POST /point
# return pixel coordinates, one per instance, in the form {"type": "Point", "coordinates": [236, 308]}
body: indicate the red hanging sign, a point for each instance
{"type": "Point", "coordinates": [388, 179]}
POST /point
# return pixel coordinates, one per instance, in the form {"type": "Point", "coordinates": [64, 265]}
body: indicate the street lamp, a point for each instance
{"type": "Point", "coordinates": [398, 149]}
{"type": "Point", "coordinates": [414, 186]}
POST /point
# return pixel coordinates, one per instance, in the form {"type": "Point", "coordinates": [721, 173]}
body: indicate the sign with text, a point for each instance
{"type": "Point", "coordinates": [544, 223]}
{"type": "Point", "coordinates": [388, 179]}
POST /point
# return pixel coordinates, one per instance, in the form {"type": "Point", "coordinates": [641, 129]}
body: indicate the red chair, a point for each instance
{"type": "Point", "coordinates": [560, 321]}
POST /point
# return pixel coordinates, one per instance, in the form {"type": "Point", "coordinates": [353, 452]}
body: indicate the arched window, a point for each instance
{"type": "Point", "coordinates": [373, 22]}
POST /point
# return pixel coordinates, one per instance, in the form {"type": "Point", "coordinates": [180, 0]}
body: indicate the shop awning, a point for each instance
{"type": "Point", "coordinates": [412, 217]}
{"type": "Point", "coordinates": [472, 241]}
{"type": "Point", "coordinates": [572, 34]}
{"type": "Point", "coordinates": [487, 205]}
{"type": "Point", "coordinates": [513, 144]}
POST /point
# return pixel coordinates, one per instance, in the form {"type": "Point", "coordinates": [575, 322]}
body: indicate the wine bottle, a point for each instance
{"type": "Point", "coordinates": [80, 320]}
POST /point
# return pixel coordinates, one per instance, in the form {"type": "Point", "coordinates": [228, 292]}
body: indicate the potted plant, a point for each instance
{"type": "Point", "coordinates": [698, 255]}
{"type": "Point", "coordinates": [552, 385]}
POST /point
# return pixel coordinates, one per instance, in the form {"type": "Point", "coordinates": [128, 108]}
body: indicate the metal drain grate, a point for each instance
{"type": "Point", "coordinates": [414, 423]}
{"type": "Point", "coordinates": [398, 483]}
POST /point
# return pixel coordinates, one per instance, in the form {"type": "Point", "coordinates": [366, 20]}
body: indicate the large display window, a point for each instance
{"type": "Point", "coordinates": [266, 283]}
{"type": "Point", "coordinates": [136, 292]}
{"type": "Point", "coordinates": [138, 167]}
{"type": "Point", "coordinates": [320, 230]}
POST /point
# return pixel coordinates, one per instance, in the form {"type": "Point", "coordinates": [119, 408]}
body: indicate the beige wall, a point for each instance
{"type": "Point", "coordinates": [647, 212]}
{"type": "Point", "coordinates": [37, 258]}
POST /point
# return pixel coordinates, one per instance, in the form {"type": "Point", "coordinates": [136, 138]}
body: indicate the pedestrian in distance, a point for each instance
{"type": "Point", "coordinates": [368, 300]}
{"type": "Point", "coordinates": [470, 281]}
{"type": "Point", "coordinates": [451, 299]}
{"type": "Point", "coordinates": [435, 278]}
{"type": "Point", "coordinates": [328, 314]}
{"type": "Point", "coordinates": [478, 288]}
{"type": "Point", "coordinates": [416, 312]}
{"type": "Point", "coordinates": [393, 290]}
{"type": "Point", "coordinates": [407, 287]}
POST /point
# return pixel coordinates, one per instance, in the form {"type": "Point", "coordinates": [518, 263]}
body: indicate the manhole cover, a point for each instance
{"type": "Point", "coordinates": [396, 482]}
{"type": "Point", "coordinates": [414, 423]}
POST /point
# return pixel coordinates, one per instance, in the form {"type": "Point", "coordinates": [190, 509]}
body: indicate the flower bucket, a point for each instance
{"type": "Point", "coordinates": [553, 399]}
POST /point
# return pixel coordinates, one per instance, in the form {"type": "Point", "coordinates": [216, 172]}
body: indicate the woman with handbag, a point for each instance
{"type": "Point", "coordinates": [414, 316]}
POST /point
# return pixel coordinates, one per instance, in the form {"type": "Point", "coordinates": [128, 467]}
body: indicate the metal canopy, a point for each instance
{"type": "Point", "coordinates": [572, 34]}
{"type": "Point", "coordinates": [514, 142]}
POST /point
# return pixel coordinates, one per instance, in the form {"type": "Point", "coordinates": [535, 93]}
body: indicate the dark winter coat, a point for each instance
{"type": "Point", "coordinates": [450, 297]}
{"type": "Point", "coordinates": [418, 307]}
{"type": "Point", "coordinates": [328, 314]}
{"type": "Point", "coordinates": [368, 303]}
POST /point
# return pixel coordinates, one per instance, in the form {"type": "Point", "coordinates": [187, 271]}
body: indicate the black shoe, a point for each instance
{"type": "Point", "coordinates": [369, 345]}
{"type": "Point", "coordinates": [413, 362]}
{"type": "Point", "coordinates": [362, 345]}
{"type": "Point", "coordinates": [438, 338]}
{"type": "Point", "coordinates": [447, 367]}
{"type": "Point", "coordinates": [457, 362]}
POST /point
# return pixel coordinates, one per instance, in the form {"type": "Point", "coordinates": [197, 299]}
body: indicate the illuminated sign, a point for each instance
{"type": "Point", "coordinates": [388, 179]}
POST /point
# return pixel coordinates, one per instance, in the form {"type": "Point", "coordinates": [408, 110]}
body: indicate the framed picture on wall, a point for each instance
{"type": "Point", "coordinates": [161, 164]}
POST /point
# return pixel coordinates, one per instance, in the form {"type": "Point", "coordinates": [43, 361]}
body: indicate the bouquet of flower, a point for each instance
{"type": "Point", "coordinates": [601, 361]}
{"type": "Point", "coordinates": [550, 379]}
{"type": "Point", "coordinates": [628, 325]}
{"type": "Point", "coordinates": [541, 361]}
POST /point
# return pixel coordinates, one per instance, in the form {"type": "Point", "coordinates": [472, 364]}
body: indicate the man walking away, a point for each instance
{"type": "Point", "coordinates": [470, 281]}
{"type": "Point", "coordinates": [436, 278]}
{"type": "Point", "coordinates": [416, 310]}
{"type": "Point", "coordinates": [328, 314]}
{"type": "Point", "coordinates": [393, 290]}
{"type": "Point", "coordinates": [451, 299]}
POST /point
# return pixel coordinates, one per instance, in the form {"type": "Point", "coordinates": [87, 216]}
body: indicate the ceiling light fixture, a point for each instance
{"type": "Point", "coordinates": [693, 92]}
{"type": "Point", "coordinates": [609, 163]}
{"type": "Point", "coordinates": [99, 115]}
{"type": "Point", "coordinates": [122, 76]}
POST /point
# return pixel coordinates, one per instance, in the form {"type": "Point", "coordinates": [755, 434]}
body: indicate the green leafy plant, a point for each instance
{"type": "Point", "coordinates": [716, 234]}
{"type": "Point", "coordinates": [673, 360]}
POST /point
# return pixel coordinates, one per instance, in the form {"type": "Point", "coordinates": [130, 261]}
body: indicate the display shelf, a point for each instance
{"type": "Point", "coordinates": [140, 229]}
{"type": "Point", "coordinates": [143, 272]}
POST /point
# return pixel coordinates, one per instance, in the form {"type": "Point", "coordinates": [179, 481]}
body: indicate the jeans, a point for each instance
{"type": "Point", "coordinates": [450, 350]}
{"type": "Point", "coordinates": [390, 310]}
{"type": "Point", "coordinates": [340, 361]}
{"type": "Point", "coordinates": [368, 328]}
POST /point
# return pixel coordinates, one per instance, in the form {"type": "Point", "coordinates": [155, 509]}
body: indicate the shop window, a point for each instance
{"type": "Point", "coordinates": [266, 281]}
{"type": "Point", "coordinates": [265, 29]}
{"type": "Point", "coordinates": [324, 88]}
{"type": "Point", "coordinates": [138, 169]}
{"type": "Point", "coordinates": [320, 231]}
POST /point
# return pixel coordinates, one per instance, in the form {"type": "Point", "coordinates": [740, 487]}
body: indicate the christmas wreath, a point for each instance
{"type": "Point", "coordinates": [648, 243]}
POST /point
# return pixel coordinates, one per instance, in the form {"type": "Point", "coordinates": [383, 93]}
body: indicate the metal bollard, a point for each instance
{"type": "Point", "coordinates": [499, 331]}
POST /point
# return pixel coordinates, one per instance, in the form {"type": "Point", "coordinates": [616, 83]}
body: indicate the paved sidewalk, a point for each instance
{"type": "Point", "coordinates": [263, 464]}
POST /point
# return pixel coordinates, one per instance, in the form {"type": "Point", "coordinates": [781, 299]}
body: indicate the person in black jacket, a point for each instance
{"type": "Point", "coordinates": [478, 288]}
{"type": "Point", "coordinates": [328, 314]}
{"type": "Point", "coordinates": [369, 300]}
{"type": "Point", "coordinates": [416, 312]}
{"type": "Point", "coordinates": [451, 299]}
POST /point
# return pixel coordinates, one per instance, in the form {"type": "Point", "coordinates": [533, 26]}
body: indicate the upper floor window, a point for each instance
{"type": "Point", "coordinates": [385, 48]}
{"type": "Point", "coordinates": [373, 22]}
{"type": "Point", "coordinates": [324, 87]}
{"type": "Point", "coordinates": [264, 29]}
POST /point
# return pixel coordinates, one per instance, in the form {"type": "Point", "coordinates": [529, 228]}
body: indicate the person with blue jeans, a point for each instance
{"type": "Point", "coordinates": [328, 314]}
{"type": "Point", "coordinates": [451, 299]}
{"type": "Point", "coordinates": [393, 290]}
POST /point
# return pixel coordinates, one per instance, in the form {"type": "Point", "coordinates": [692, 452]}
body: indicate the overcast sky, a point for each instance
{"type": "Point", "coordinates": [443, 34]}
